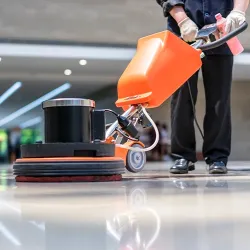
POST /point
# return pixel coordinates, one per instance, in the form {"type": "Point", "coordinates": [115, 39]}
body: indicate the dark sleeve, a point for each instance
{"type": "Point", "coordinates": [168, 5]}
{"type": "Point", "coordinates": [160, 2]}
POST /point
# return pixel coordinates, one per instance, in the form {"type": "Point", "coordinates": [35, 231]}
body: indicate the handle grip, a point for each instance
{"type": "Point", "coordinates": [224, 39]}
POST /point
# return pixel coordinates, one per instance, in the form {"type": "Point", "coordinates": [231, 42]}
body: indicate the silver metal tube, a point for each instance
{"type": "Point", "coordinates": [198, 43]}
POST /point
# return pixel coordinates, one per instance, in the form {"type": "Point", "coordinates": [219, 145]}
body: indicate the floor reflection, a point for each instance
{"type": "Point", "coordinates": [137, 213]}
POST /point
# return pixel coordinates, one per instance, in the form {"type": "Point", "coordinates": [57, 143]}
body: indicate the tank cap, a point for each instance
{"type": "Point", "coordinates": [68, 102]}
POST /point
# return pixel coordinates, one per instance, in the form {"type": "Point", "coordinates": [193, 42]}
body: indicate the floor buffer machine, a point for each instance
{"type": "Point", "coordinates": [79, 146]}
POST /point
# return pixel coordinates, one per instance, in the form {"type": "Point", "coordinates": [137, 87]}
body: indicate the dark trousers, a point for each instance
{"type": "Point", "coordinates": [217, 78]}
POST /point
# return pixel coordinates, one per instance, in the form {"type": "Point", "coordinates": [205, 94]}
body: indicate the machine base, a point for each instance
{"type": "Point", "coordinates": [68, 169]}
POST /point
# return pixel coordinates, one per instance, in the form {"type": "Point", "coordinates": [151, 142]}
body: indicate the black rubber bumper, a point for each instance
{"type": "Point", "coordinates": [69, 168]}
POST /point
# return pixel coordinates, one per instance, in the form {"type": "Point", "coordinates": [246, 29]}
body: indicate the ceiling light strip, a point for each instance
{"type": "Point", "coordinates": [10, 91]}
{"type": "Point", "coordinates": [35, 104]}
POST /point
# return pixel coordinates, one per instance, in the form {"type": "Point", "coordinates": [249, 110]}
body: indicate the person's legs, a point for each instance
{"type": "Point", "coordinates": [217, 74]}
{"type": "Point", "coordinates": [183, 144]}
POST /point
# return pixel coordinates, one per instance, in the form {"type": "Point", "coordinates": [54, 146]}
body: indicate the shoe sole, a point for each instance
{"type": "Point", "coordinates": [217, 172]}
{"type": "Point", "coordinates": [176, 171]}
{"type": "Point", "coordinates": [179, 171]}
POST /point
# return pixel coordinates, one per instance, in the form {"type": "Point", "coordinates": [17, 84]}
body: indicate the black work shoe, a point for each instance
{"type": "Point", "coordinates": [217, 168]}
{"type": "Point", "coordinates": [182, 166]}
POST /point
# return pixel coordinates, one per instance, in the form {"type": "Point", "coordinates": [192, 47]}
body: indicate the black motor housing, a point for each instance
{"type": "Point", "coordinates": [73, 128]}
{"type": "Point", "coordinates": [68, 120]}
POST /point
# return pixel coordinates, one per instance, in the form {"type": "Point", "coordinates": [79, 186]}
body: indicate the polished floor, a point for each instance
{"type": "Point", "coordinates": [151, 210]}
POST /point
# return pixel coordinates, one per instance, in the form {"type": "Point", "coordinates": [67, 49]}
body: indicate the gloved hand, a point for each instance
{"type": "Point", "coordinates": [188, 29]}
{"type": "Point", "coordinates": [234, 20]}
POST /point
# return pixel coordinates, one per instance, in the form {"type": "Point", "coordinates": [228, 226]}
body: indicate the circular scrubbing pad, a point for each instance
{"type": "Point", "coordinates": [93, 178]}
{"type": "Point", "coordinates": [69, 169]}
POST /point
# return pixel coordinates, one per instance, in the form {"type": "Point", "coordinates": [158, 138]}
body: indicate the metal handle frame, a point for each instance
{"type": "Point", "coordinates": [202, 45]}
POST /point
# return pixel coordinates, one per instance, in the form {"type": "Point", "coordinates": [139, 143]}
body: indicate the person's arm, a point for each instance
{"type": "Point", "coordinates": [241, 5]}
{"type": "Point", "coordinates": [175, 8]}
{"type": "Point", "coordinates": [237, 15]}
{"type": "Point", "coordinates": [178, 13]}
{"type": "Point", "coordinates": [187, 27]}
{"type": "Point", "coordinates": [169, 5]}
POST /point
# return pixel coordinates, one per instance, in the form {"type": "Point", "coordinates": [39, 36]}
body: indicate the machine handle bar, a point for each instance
{"type": "Point", "coordinates": [224, 39]}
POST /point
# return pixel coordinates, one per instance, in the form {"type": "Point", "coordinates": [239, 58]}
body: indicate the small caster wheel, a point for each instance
{"type": "Point", "coordinates": [135, 160]}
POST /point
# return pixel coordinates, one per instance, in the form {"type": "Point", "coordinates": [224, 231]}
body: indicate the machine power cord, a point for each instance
{"type": "Point", "coordinates": [112, 112]}
{"type": "Point", "coordinates": [194, 110]}
{"type": "Point", "coordinates": [202, 135]}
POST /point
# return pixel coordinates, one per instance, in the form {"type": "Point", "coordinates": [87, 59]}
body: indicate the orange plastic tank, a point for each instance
{"type": "Point", "coordinates": [162, 63]}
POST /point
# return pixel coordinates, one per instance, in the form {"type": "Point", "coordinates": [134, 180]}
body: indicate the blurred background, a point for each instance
{"type": "Point", "coordinates": [79, 48]}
